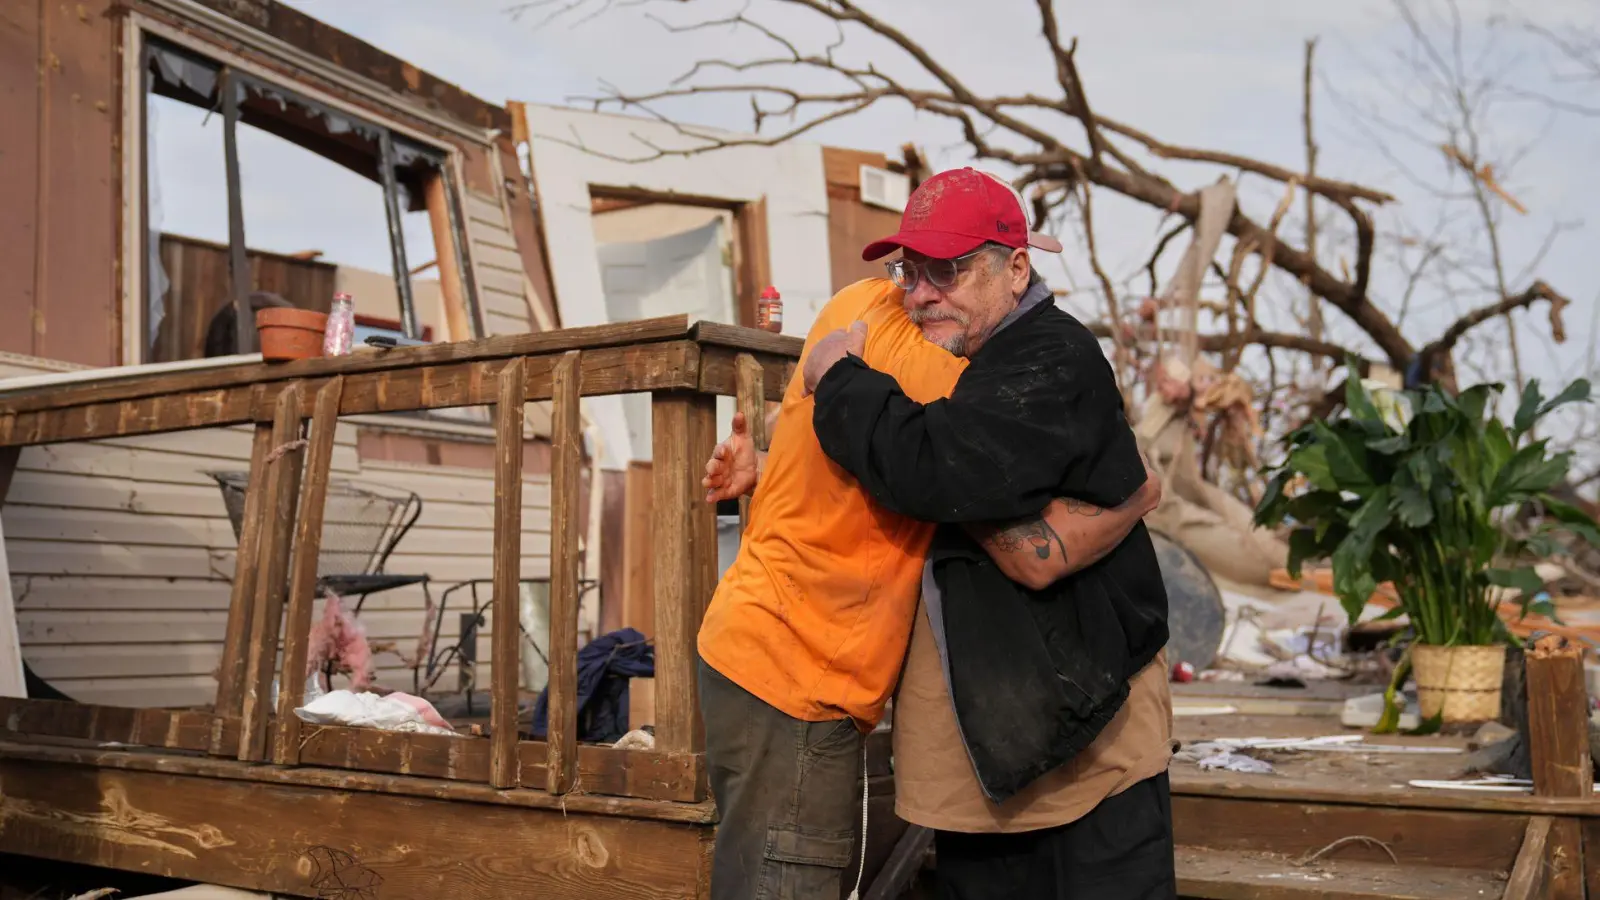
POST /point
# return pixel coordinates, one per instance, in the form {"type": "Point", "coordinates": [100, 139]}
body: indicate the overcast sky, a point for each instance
{"type": "Point", "coordinates": [1222, 74]}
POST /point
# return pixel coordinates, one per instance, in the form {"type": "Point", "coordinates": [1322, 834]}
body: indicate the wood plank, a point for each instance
{"type": "Point", "coordinates": [685, 551]}
{"type": "Point", "coordinates": [125, 386]}
{"type": "Point", "coordinates": [77, 298]}
{"type": "Point", "coordinates": [567, 449]}
{"type": "Point", "coordinates": [755, 340]}
{"type": "Point", "coordinates": [451, 287]}
{"type": "Point", "coordinates": [643, 774]}
{"type": "Point", "coordinates": [1558, 743]}
{"type": "Point", "coordinates": [507, 563]}
{"type": "Point", "coordinates": [751, 397]}
{"type": "Point", "coordinates": [719, 372]}
{"type": "Point", "coordinates": [611, 370]}
{"type": "Point", "coordinates": [1210, 875]}
{"type": "Point", "coordinates": [1416, 837]}
{"type": "Point", "coordinates": [1527, 881]}
{"type": "Point", "coordinates": [522, 200]}
{"type": "Point", "coordinates": [241, 604]}
{"type": "Point", "coordinates": [1558, 719]}
{"type": "Point", "coordinates": [703, 813]}
{"type": "Point", "coordinates": [277, 522]}
{"type": "Point", "coordinates": [170, 729]}
{"type": "Point", "coordinates": [755, 257]}
{"type": "Point", "coordinates": [172, 412]}
{"type": "Point", "coordinates": [1567, 861]}
{"type": "Point", "coordinates": [370, 750]}
{"type": "Point", "coordinates": [303, 579]}
{"type": "Point", "coordinates": [638, 599]}
{"type": "Point", "coordinates": [303, 841]}
{"type": "Point", "coordinates": [1190, 782]}
{"type": "Point", "coordinates": [22, 60]}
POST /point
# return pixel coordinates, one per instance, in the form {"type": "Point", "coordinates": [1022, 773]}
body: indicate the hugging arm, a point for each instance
{"type": "Point", "coordinates": [1069, 535]}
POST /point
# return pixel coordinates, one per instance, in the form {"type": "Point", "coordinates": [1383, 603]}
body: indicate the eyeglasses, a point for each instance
{"type": "Point", "coordinates": [941, 273]}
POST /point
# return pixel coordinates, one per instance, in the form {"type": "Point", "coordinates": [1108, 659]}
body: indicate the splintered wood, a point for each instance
{"type": "Point", "coordinates": [1558, 742]}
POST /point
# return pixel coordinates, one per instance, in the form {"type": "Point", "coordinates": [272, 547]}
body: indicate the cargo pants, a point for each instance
{"type": "Point", "coordinates": [788, 794]}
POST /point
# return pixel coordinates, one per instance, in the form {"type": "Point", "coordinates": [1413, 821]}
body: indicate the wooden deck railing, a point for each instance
{"type": "Point", "coordinates": [295, 408]}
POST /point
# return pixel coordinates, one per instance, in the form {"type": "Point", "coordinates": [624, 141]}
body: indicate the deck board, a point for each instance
{"type": "Point", "coordinates": [1212, 875]}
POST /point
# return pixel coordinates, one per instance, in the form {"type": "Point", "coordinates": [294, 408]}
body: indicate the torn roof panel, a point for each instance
{"type": "Point", "coordinates": [361, 58]}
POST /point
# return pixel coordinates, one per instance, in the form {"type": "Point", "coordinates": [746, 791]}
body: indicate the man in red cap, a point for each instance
{"type": "Point", "coordinates": [811, 623]}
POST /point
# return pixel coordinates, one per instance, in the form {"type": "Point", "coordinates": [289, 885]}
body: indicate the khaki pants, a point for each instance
{"type": "Point", "coordinates": [788, 795]}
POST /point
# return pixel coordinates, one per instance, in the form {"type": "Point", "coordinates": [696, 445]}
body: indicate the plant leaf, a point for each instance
{"type": "Point", "coordinates": [1576, 520]}
{"type": "Point", "coordinates": [1472, 401]}
{"type": "Point", "coordinates": [1527, 409]}
{"type": "Point", "coordinates": [1311, 460]}
{"type": "Point", "coordinates": [1528, 472]}
{"type": "Point", "coordinates": [1523, 579]}
{"type": "Point", "coordinates": [1348, 465]}
{"type": "Point", "coordinates": [1411, 499]}
{"type": "Point", "coordinates": [1576, 392]}
{"type": "Point", "coordinates": [1270, 510]}
{"type": "Point", "coordinates": [1430, 725]}
{"type": "Point", "coordinates": [1389, 445]}
{"type": "Point", "coordinates": [1353, 580]}
{"type": "Point", "coordinates": [1303, 545]}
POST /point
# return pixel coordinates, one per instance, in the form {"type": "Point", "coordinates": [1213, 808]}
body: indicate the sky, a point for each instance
{"type": "Point", "coordinates": [1217, 74]}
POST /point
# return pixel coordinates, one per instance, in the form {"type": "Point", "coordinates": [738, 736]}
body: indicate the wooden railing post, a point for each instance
{"type": "Point", "coordinates": [506, 629]}
{"type": "Point", "coordinates": [277, 521]}
{"type": "Point", "coordinates": [561, 769]}
{"type": "Point", "coordinates": [685, 548]}
{"type": "Point", "coordinates": [235, 653]}
{"type": "Point", "coordinates": [303, 580]}
{"type": "Point", "coordinates": [752, 401]}
{"type": "Point", "coordinates": [1558, 746]}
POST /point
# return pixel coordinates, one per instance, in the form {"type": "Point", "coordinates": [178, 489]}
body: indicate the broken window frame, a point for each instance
{"type": "Point", "coordinates": [195, 75]}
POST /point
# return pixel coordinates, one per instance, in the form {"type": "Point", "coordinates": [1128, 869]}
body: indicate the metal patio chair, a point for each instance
{"type": "Point", "coordinates": [361, 526]}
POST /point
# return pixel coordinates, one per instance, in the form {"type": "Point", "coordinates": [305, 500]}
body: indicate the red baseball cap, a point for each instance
{"type": "Point", "coordinates": [954, 212]}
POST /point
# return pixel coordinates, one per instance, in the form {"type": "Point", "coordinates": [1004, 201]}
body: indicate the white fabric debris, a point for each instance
{"type": "Point", "coordinates": [394, 712]}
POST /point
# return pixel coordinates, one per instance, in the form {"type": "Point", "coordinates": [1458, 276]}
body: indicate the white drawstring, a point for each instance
{"type": "Point", "coordinates": [862, 871]}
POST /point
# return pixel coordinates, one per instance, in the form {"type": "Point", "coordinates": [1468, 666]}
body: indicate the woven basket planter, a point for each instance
{"type": "Point", "coordinates": [1461, 682]}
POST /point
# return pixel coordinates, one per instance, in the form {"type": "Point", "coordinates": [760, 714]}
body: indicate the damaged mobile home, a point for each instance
{"type": "Point", "coordinates": [543, 367]}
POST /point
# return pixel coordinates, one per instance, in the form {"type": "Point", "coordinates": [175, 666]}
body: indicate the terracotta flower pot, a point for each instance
{"type": "Point", "coordinates": [288, 333]}
{"type": "Point", "coordinates": [1463, 683]}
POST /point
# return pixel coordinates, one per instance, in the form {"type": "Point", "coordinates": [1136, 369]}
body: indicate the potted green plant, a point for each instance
{"type": "Point", "coordinates": [1436, 496]}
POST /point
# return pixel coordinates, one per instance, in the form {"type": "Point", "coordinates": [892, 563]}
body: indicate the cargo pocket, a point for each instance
{"type": "Point", "coordinates": [802, 863]}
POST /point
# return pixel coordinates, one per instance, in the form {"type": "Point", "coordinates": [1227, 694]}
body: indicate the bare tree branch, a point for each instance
{"type": "Point", "coordinates": [1536, 292]}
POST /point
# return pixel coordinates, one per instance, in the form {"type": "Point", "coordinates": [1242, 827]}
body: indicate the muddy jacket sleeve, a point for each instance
{"type": "Point", "coordinates": [1008, 439]}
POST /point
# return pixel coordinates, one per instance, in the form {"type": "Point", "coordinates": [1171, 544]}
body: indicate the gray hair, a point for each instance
{"type": "Point", "coordinates": [1001, 253]}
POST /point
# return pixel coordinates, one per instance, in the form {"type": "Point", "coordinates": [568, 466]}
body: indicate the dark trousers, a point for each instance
{"type": "Point", "coordinates": [788, 795]}
{"type": "Point", "coordinates": [1122, 850]}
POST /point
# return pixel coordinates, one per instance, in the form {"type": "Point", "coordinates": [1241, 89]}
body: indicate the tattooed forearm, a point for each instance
{"type": "Point", "coordinates": [1081, 508]}
{"type": "Point", "coordinates": [1034, 533]}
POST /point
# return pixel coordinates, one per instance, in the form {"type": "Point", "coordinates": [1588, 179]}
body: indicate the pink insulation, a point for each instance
{"type": "Point", "coordinates": [339, 639]}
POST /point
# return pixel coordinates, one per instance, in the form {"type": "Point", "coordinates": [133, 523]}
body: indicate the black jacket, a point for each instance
{"type": "Point", "coordinates": [1035, 675]}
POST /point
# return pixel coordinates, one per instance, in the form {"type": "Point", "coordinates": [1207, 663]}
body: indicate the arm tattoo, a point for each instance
{"type": "Point", "coordinates": [1080, 508]}
{"type": "Point", "coordinates": [1034, 533]}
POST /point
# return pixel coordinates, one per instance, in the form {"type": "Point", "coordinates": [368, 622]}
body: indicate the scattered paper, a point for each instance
{"type": "Point", "coordinates": [1236, 762]}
